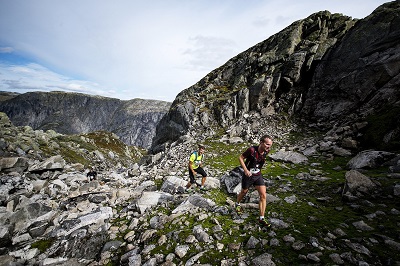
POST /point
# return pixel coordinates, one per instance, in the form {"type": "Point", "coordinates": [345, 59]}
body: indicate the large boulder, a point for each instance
{"type": "Point", "coordinates": [232, 181]}
{"type": "Point", "coordinates": [150, 199]}
{"type": "Point", "coordinates": [50, 164]}
{"type": "Point", "coordinates": [13, 164]}
{"type": "Point", "coordinates": [357, 184]}
{"type": "Point", "coordinates": [370, 159]}
{"type": "Point", "coordinates": [289, 157]}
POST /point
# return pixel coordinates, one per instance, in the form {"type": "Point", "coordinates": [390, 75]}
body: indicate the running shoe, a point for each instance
{"type": "Point", "coordinates": [203, 188]}
{"type": "Point", "coordinates": [263, 222]}
{"type": "Point", "coordinates": [239, 209]}
{"type": "Point", "coordinates": [189, 190]}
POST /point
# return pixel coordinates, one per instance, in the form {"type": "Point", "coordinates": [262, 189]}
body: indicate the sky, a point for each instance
{"type": "Point", "coordinates": [148, 49]}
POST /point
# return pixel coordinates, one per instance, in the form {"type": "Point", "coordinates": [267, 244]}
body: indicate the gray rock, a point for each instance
{"type": "Point", "coordinates": [194, 259]}
{"type": "Point", "coordinates": [29, 214]}
{"type": "Point", "coordinates": [298, 245]}
{"type": "Point", "coordinates": [361, 225]}
{"type": "Point", "coordinates": [291, 199]}
{"type": "Point", "coordinates": [252, 243]}
{"type": "Point", "coordinates": [277, 223]}
{"type": "Point", "coordinates": [192, 202]}
{"type": "Point", "coordinates": [181, 250]}
{"type": "Point", "coordinates": [135, 260]}
{"type": "Point", "coordinates": [313, 257]}
{"type": "Point", "coordinates": [341, 152]}
{"type": "Point", "coordinates": [233, 179]}
{"type": "Point", "coordinates": [396, 190]}
{"type": "Point", "coordinates": [171, 184]}
{"type": "Point", "coordinates": [336, 258]}
{"type": "Point", "coordinates": [200, 234]}
{"type": "Point", "coordinates": [359, 248]}
{"type": "Point", "coordinates": [263, 260]}
{"type": "Point", "coordinates": [393, 244]}
{"type": "Point", "coordinates": [289, 157]}
{"type": "Point", "coordinates": [97, 217]}
{"type": "Point", "coordinates": [13, 164]}
{"type": "Point", "coordinates": [52, 163]}
{"type": "Point", "coordinates": [357, 182]}
{"type": "Point", "coordinates": [370, 159]}
{"type": "Point", "coordinates": [152, 198]}
{"type": "Point", "coordinates": [5, 235]}
{"type": "Point", "coordinates": [111, 245]}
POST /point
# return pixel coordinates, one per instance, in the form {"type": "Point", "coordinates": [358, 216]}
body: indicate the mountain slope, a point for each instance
{"type": "Point", "coordinates": [314, 72]}
{"type": "Point", "coordinates": [134, 121]}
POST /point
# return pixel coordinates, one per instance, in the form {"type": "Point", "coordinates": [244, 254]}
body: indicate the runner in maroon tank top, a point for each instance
{"type": "Point", "coordinates": [252, 160]}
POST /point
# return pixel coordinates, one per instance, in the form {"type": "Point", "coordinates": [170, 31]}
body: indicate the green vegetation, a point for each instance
{"type": "Point", "coordinates": [318, 212]}
{"type": "Point", "coordinates": [80, 148]}
{"type": "Point", "coordinates": [42, 245]}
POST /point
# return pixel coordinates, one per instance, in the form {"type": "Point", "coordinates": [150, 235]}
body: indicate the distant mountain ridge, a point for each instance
{"type": "Point", "coordinates": [134, 121]}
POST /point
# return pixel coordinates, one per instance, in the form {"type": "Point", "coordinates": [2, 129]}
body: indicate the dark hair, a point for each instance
{"type": "Point", "coordinates": [201, 146]}
{"type": "Point", "coordinates": [266, 136]}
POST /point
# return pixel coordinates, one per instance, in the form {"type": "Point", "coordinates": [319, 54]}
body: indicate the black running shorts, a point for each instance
{"type": "Point", "coordinates": [254, 180]}
{"type": "Point", "coordinates": [198, 170]}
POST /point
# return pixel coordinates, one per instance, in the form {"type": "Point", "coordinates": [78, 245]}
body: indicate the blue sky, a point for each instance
{"type": "Point", "coordinates": [129, 49]}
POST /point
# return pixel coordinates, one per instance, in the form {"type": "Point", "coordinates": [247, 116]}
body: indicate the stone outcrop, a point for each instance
{"type": "Point", "coordinates": [134, 121]}
{"type": "Point", "coordinates": [358, 79]}
{"type": "Point", "coordinates": [323, 71]}
{"type": "Point", "coordinates": [24, 149]}
{"type": "Point", "coordinates": [269, 78]}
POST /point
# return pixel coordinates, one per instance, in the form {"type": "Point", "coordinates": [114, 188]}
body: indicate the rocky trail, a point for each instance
{"type": "Point", "coordinates": [340, 212]}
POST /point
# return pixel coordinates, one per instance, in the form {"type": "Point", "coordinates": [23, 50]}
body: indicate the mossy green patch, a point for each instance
{"type": "Point", "coordinates": [227, 155]}
{"type": "Point", "coordinates": [217, 195]}
{"type": "Point", "coordinates": [42, 245]}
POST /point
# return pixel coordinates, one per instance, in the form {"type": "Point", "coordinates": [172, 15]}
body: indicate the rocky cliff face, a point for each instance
{"type": "Point", "coordinates": [359, 80]}
{"type": "Point", "coordinates": [324, 70]}
{"type": "Point", "coordinates": [134, 121]}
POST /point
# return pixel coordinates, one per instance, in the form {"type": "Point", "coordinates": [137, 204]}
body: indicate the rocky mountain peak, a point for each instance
{"type": "Point", "coordinates": [323, 70]}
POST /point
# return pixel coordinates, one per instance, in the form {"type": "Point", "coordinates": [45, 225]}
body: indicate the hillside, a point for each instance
{"type": "Point", "coordinates": [325, 70]}
{"type": "Point", "coordinates": [326, 208]}
{"type": "Point", "coordinates": [134, 121]}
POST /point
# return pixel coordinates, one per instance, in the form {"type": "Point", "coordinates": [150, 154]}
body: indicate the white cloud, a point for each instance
{"type": "Point", "coordinates": [203, 52]}
{"type": "Point", "coordinates": [138, 49]}
{"type": "Point", "coordinates": [6, 50]}
{"type": "Point", "coordinates": [32, 77]}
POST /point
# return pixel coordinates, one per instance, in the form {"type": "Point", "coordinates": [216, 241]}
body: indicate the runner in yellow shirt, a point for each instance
{"type": "Point", "coordinates": [195, 166]}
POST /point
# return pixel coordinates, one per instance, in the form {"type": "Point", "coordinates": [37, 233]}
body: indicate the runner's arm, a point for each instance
{"type": "Point", "coordinates": [191, 167]}
{"type": "Point", "coordinates": [241, 160]}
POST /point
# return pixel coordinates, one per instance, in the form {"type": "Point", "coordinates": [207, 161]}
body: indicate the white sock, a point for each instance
{"type": "Point", "coordinates": [261, 217]}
